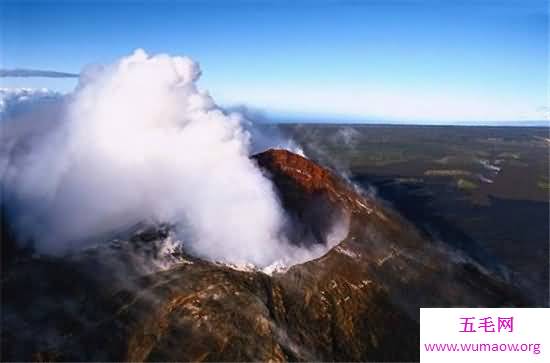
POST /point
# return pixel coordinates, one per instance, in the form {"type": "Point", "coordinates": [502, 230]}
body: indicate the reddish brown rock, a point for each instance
{"type": "Point", "coordinates": [358, 302]}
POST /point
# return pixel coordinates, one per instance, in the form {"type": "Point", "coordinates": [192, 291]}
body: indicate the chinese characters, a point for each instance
{"type": "Point", "coordinates": [471, 324]}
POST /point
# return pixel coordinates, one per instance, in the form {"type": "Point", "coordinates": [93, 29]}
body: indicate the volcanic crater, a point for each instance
{"type": "Point", "coordinates": [358, 302]}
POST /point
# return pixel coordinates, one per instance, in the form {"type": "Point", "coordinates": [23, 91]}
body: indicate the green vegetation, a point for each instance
{"type": "Point", "coordinates": [544, 184]}
{"type": "Point", "coordinates": [518, 163]}
{"type": "Point", "coordinates": [482, 153]}
{"type": "Point", "coordinates": [409, 180]}
{"type": "Point", "coordinates": [447, 172]}
{"type": "Point", "coordinates": [509, 155]}
{"type": "Point", "coordinates": [466, 184]}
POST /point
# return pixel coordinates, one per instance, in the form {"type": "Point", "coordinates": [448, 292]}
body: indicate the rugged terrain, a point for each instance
{"type": "Point", "coordinates": [358, 302]}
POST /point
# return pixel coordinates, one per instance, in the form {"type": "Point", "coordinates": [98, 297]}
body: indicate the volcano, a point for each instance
{"type": "Point", "coordinates": [358, 302]}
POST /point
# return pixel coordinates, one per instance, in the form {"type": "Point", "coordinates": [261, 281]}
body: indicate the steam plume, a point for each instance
{"type": "Point", "coordinates": [140, 141]}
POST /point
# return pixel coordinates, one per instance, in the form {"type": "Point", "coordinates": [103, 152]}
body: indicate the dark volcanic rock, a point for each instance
{"type": "Point", "coordinates": [359, 302]}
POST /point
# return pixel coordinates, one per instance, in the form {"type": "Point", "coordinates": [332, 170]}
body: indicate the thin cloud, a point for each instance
{"type": "Point", "coordinates": [35, 73]}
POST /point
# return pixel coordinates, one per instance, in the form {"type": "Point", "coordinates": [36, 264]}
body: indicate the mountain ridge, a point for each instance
{"type": "Point", "coordinates": [357, 302]}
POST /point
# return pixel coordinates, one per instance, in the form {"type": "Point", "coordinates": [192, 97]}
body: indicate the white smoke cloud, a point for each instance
{"type": "Point", "coordinates": [140, 141]}
{"type": "Point", "coordinates": [13, 100]}
{"type": "Point", "coordinates": [348, 135]}
{"type": "Point", "coordinates": [264, 134]}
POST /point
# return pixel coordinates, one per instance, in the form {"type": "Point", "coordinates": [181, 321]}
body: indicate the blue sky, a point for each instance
{"type": "Point", "coordinates": [405, 60]}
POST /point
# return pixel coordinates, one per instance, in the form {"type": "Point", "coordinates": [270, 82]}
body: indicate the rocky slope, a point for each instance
{"type": "Point", "coordinates": [358, 302]}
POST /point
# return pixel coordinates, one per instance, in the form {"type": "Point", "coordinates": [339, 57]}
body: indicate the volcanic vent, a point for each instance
{"type": "Point", "coordinates": [358, 302]}
{"type": "Point", "coordinates": [313, 197]}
